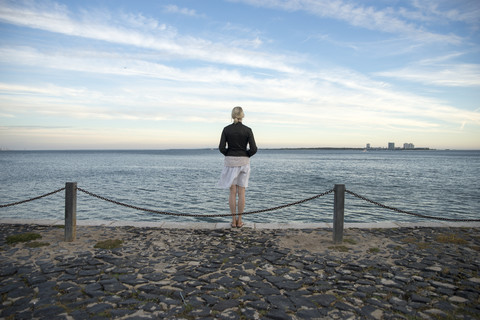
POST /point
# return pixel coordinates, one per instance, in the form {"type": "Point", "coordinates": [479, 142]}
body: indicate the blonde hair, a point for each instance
{"type": "Point", "coordinates": [237, 114]}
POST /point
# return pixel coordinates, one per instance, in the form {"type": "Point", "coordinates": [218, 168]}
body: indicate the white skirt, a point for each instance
{"type": "Point", "coordinates": [234, 176]}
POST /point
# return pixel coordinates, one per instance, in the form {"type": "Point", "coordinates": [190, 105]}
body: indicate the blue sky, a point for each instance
{"type": "Point", "coordinates": [166, 74]}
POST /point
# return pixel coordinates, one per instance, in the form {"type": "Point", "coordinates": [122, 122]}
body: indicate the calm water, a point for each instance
{"type": "Point", "coordinates": [436, 183]}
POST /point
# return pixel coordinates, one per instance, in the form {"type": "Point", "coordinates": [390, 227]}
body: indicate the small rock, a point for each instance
{"type": "Point", "coordinates": [457, 299]}
{"type": "Point", "coordinates": [436, 312]}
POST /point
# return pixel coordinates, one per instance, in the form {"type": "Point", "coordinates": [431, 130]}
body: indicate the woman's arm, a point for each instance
{"type": "Point", "coordinates": [252, 144]}
{"type": "Point", "coordinates": [222, 146]}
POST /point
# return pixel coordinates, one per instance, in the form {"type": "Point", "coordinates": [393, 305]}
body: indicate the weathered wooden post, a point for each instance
{"type": "Point", "coordinates": [338, 211]}
{"type": "Point", "coordinates": [70, 211]}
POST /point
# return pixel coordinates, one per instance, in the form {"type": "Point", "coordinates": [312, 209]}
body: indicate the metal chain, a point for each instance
{"type": "Point", "coordinates": [201, 215]}
{"type": "Point", "coordinates": [32, 199]}
{"type": "Point", "coordinates": [245, 213]}
{"type": "Point", "coordinates": [407, 212]}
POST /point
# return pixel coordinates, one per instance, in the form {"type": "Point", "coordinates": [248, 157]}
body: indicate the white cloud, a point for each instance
{"type": "Point", "coordinates": [466, 11]}
{"type": "Point", "coordinates": [150, 36]}
{"type": "Point", "coordinates": [438, 73]}
{"type": "Point", "coordinates": [383, 20]}
{"type": "Point", "coordinates": [184, 11]}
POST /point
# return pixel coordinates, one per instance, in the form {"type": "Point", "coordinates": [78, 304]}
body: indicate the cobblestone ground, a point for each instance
{"type": "Point", "coordinates": [405, 273]}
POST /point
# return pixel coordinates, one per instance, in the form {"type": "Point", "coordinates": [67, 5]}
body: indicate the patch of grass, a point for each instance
{"type": "Point", "coordinates": [109, 244]}
{"type": "Point", "coordinates": [422, 245]}
{"type": "Point", "coordinates": [413, 240]}
{"type": "Point", "coordinates": [104, 314]}
{"type": "Point", "coordinates": [349, 241]}
{"type": "Point", "coordinates": [187, 308]}
{"type": "Point", "coordinates": [409, 240]}
{"type": "Point", "coordinates": [23, 237]}
{"type": "Point", "coordinates": [239, 293]}
{"type": "Point", "coordinates": [451, 238]}
{"type": "Point", "coordinates": [36, 244]}
{"type": "Point", "coordinates": [339, 248]}
{"type": "Point", "coordinates": [373, 250]}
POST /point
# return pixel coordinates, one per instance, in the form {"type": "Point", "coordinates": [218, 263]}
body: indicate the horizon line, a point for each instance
{"type": "Point", "coordinates": [271, 148]}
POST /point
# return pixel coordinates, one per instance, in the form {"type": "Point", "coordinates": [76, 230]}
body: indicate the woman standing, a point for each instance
{"type": "Point", "coordinates": [236, 171]}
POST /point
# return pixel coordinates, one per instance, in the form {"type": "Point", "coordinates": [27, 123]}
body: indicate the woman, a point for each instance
{"type": "Point", "coordinates": [236, 171]}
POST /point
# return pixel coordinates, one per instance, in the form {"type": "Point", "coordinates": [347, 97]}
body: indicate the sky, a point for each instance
{"type": "Point", "coordinates": [118, 74]}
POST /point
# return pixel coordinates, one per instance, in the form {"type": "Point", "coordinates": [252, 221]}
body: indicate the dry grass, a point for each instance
{"type": "Point", "coordinates": [451, 238]}
{"type": "Point", "coordinates": [22, 237]}
{"type": "Point", "coordinates": [109, 244]}
{"type": "Point", "coordinates": [339, 248]}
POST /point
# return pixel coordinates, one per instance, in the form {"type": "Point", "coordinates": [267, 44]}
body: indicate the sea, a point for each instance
{"type": "Point", "coordinates": [437, 183]}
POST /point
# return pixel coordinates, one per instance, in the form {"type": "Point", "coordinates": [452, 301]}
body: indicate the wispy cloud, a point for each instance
{"type": "Point", "coordinates": [143, 33]}
{"type": "Point", "coordinates": [379, 19]}
{"type": "Point", "coordinates": [461, 11]}
{"type": "Point", "coordinates": [171, 8]}
{"type": "Point", "coordinates": [437, 72]}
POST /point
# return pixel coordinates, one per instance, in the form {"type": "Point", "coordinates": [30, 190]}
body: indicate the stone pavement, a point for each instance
{"type": "Point", "coordinates": [248, 273]}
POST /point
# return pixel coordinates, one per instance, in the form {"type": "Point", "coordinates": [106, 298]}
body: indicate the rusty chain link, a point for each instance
{"type": "Point", "coordinates": [407, 212]}
{"type": "Point", "coordinates": [31, 199]}
{"type": "Point", "coordinates": [201, 215]}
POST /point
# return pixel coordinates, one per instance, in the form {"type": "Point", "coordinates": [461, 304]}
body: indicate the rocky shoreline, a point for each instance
{"type": "Point", "coordinates": [398, 273]}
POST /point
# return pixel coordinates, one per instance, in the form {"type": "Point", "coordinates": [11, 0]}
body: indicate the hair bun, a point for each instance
{"type": "Point", "coordinates": [237, 114]}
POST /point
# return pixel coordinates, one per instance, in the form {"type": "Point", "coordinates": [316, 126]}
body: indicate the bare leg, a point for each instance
{"type": "Point", "coordinates": [241, 204]}
{"type": "Point", "coordinates": [232, 202]}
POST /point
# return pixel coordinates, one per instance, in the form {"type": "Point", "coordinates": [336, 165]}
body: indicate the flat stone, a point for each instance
{"type": "Point", "coordinates": [289, 285]}
{"type": "Point", "coordinates": [280, 302]}
{"type": "Point", "coordinates": [418, 298]}
{"type": "Point", "coordinates": [434, 268]}
{"type": "Point", "coordinates": [112, 286]}
{"type": "Point", "coordinates": [397, 301]}
{"type": "Point", "coordinates": [225, 304]}
{"type": "Point", "coordinates": [88, 273]}
{"type": "Point", "coordinates": [131, 279]}
{"type": "Point", "coordinates": [94, 290]}
{"type": "Point", "coordinates": [309, 314]}
{"type": "Point", "coordinates": [48, 312]}
{"type": "Point", "coordinates": [457, 299]}
{"type": "Point", "coordinates": [444, 285]}
{"type": "Point", "coordinates": [436, 312]}
{"type": "Point", "coordinates": [389, 283]}
{"type": "Point", "coordinates": [325, 300]}
{"type": "Point", "coordinates": [301, 301]}
{"type": "Point", "coordinates": [99, 308]}
{"type": "Point", "coordinates": [278, 314]}
{"type": "Point", "coordinates": [371, 312]}
{"type": "Point", "coordinates": [6, 271]}
{"type": "Point", "coordinates": [259, 305]}
{"type": "Point", "coordinates": [474, 280]}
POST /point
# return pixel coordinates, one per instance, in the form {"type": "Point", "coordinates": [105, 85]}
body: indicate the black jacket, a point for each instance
{"type": "Point", "coordinates": [237, 136]}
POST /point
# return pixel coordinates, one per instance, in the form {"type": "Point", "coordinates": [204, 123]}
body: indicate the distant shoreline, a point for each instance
{"type": "Point", "coordinates": [355, 149]}
{"type": "Point", "coordinates": [214, 148]}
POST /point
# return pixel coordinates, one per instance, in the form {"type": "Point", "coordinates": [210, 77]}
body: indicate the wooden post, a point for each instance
{"type": "Point", "coordinates": [338, 211]}
{"type": "Point", "coordinates": [70, 211]}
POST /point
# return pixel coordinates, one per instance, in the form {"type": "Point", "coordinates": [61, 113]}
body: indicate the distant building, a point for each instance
{"type": "Point", "coordinates": [407, 146]}
{"type": "Point", "coordinates": [368, 146]}
{"type": "Point", "coordinates": [391, 146]}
